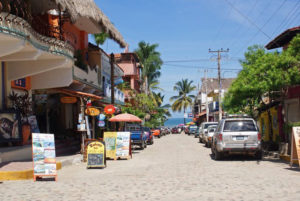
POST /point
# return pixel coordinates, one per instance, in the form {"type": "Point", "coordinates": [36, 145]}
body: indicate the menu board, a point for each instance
{"type": "Point", "coordinates": [123, 144]}
{"type": "Point", "coordinates": [43, 155]}
{"type": "Point", "coordinates": [295, 151]}
{"type": "Point", "coordinates": [96, 155]}
{"type": "Point", "coordinates": [110, 139]}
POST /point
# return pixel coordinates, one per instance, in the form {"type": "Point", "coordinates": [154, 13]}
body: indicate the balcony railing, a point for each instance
{"type": "Point", "coordinates": [21, 9]}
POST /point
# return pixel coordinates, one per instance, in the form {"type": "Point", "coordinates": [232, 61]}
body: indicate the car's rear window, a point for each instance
{"type": "Point", "coordinates": [207, 125]}
{"type": "Point", "coordinates": [244, 125]}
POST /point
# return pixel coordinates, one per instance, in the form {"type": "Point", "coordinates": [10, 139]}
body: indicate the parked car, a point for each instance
{"type": "Point", "coordinates": [186, 130]}
{"type": "Point", "coordinates": [149, 135]}
{"type": "Point", "coordinates": [156, 132]}
{"type": "Point", "coordinates": [192, 130]}
{"type": "Point", "coordinates": [203, 129]}
{"type": "Point", "coordinates": [236, 136]}
{"type": "Point", "coordinates": [209, 134]}
{"type": "Point", "coordinates": [138, 137]}
{"type": "Point", "coordinates": [197, 132]}
{"type": "Point", "coordinates": [174, 130]}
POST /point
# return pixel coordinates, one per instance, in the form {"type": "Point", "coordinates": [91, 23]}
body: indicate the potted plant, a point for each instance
{"type": "Point", "coordinates": [23, 104]}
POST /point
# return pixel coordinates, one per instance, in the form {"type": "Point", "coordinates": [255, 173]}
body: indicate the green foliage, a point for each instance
{"type": "Point", "coordinates": [183, 100]}
{"type": "Point", "coordinates": [263, 74]}
{"type": "Point", "coordinates": [100, 38]}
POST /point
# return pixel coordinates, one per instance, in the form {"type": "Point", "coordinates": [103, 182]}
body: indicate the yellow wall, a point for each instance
{"type": "Point", "coordinates": [264, 124]}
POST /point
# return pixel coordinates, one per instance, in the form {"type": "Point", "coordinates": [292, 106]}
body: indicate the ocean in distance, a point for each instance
{"type": "Point", "coordinates": [175, 121]}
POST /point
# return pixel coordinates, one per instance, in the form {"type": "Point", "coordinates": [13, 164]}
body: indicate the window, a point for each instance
{"type": "Point", "coordinates": [239, 126]}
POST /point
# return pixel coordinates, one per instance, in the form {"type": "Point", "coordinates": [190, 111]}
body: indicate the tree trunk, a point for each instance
{"type": "Point", "coordinates": [184, 116]}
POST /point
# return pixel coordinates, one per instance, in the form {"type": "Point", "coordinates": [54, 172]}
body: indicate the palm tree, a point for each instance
{"type": "Point", "coordinates": [100, 38]}
{"type": "Point", "coordinates": [151, 61]}
{"type": "Point", "coordinates": [183, 100]}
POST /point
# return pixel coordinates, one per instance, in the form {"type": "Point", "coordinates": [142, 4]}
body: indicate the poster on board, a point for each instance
{"type": "Point", "coordinates": [110, 139]}
{"type": "Point", "coordinates": [43, 155]}
{"type": "Point", "coordinates": [96, 155]}
{"type": "Point", "coordinates": [295, 149]}
{"type": "Point", "coordinates": [123, 144]}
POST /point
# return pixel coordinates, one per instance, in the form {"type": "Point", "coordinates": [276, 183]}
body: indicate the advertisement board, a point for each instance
{"type": "Point", "coordinates": [295, 149]}
{"type": "Point", "coordinates": [43, 155]}
{"type": "Point", "coordinates": [96, 155]}
{"type": "Point", "coordinates": [123, 145]}
{"type": "Point", "coordinates": [110, 139]}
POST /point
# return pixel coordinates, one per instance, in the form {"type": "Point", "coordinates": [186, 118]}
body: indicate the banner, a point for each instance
{"type": "Point", "coordinates": [96, 155]}
{"type": "Point", "coordinates": [110, 139]}
{"type": "Point", "coordinates": [295, 151]}
{"type": "Point", "coordinates": [123, 144]}
{"type": "Point", "coordinates": [43, 154]}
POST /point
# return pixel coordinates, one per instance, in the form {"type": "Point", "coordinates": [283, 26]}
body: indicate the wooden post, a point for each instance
{"type": "Point", "coordinates": [112, 79]}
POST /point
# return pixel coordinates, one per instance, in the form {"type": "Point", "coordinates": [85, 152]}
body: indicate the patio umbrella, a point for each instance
{"type": "Point", "coordinates": [125, 118]}
{"type": "Point", "coordinates": [190, 123]}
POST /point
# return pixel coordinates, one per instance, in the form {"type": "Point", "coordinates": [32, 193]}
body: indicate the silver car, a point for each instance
{"type": "Point", "coordinates": [236, 135]}
{"type": "Point", "coordinates": [203, 129]}
{"type": "Point", "coordinates": [209, 134]}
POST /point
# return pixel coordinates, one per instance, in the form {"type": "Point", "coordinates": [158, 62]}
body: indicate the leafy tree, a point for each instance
{"type": "Point", "coordinates": [100, 38]}
{"type": "Point", "coordinates": [151, 61]}
{"type": "Point", "coordinates": [183, 100]}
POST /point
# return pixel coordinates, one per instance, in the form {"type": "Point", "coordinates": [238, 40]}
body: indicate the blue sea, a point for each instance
{"type": "Point", "coordinates": [175, 121]}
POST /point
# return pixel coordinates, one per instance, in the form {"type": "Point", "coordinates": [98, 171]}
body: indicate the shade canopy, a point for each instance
{"type": "Point", "coordinates": [125, 118]}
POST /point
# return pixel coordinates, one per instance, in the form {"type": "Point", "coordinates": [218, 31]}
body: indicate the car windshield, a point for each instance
{"type": "Point", "coordinates": [244, 125]}
{"type": "Point", "coordinates": [207, 125]}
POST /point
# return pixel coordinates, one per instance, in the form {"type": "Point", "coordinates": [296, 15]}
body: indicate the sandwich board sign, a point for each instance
{"type": "Point", "coordinates": [110, 139]}
{"type": "Point", "coordinates": [295, 149]}
{"type": "Point", "coordinates": [123, 145]}
{"type": "Point", "coordinates": [43, 155]}
{"type": "Point", "coordinates": [96, 154]}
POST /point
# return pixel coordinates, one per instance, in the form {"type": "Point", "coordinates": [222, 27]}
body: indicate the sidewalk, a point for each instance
{"type": "Point", "coordinates": [24, 170]}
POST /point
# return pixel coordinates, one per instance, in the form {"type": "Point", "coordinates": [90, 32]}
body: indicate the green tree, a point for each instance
{"type": "Point", "coordinates": [151, 61]}
{"type": "Point", "coordinates": [100, 38]}
{"type": "Point", "coordinates": [183, 100]}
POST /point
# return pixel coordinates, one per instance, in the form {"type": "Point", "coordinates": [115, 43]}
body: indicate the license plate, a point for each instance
{"type": "Point", "coordinates": [239, 137]}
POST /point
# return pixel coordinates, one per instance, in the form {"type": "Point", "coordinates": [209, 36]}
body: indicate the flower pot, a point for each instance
{"type": "Point", "coordinates": [26, 132]}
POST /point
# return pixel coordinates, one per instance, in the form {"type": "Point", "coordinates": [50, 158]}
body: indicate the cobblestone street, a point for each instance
{"type": "Point", "coordinates": [176, 167]}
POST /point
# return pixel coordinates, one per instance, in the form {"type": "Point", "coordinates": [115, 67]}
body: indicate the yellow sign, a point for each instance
{"type": "Point", "coordinates": [295, 152]}
{"type": "Point", "coordinates": [110, 139]}
{"type": "Point", "coordinates": [68, 99]}
{"type": "Point", "coordinates": [91, 111]}
{"type": "Point", "coordinates": [96, 155]}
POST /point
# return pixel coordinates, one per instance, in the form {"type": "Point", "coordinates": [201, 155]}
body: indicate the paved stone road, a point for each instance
{"type": "Point", "coordinates": [176, 167]}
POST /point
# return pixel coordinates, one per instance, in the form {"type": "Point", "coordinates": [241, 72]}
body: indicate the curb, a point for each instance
{"type": "Point", "coordinates": [21, 175]}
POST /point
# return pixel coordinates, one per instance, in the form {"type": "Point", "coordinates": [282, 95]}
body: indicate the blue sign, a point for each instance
{"type": "Point", "coordinates": [101, 117]}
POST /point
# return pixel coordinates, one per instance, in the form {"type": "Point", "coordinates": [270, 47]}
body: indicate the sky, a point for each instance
{"type": "Point", "coordinates": [186, 29]}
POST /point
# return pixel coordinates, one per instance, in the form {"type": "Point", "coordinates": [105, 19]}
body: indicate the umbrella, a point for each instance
{"type": "Point", "coordinates": [125, 118]}
{"type": "Point", "coordinates": [190, 123]}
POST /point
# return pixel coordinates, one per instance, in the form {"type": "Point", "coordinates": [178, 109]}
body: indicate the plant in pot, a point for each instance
{"type": "Point", "coordinates": [23, 104]}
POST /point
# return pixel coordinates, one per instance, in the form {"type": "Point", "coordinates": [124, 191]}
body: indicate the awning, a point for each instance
{"type": "Point", "coordinates": [78, 93]}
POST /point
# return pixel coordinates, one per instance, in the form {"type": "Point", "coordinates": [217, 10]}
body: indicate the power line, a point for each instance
{"type": "Point", "coordinates": [201, 67]}
{"type": "Point", "coordinates": [197, 60]}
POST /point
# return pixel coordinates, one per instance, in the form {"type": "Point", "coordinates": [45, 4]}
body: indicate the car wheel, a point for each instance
{"type": "Point", "coordinates": [142, 146]}
{"type": "Point", "coordinates": [258, 155]}
{"type": "Point", "coordinates": [145, 145]}
{"type": "Point", "coordinates": [200, 139]}
{"type": "Point", "coordinates": [206, 145]}
{"type": "Point", "coordinates": [218, 155]}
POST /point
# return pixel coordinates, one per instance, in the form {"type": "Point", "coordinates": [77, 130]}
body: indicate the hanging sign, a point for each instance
{"type": "Point", "coordinates": [123, 145]}
{"type": "Point", "coordinates": [109, 109]}
{"type": "Point", "coordinates": [96, 155]}
{"type": "Point", "coordinates": [295, 149]}
{"type": "Point", "coordinates": [110, 139]}
{"type": "Point", "coordinates": [43, 155]}
{"type": "Point", "coordinates": [91, 111]}
{"type": "Point", "coordinates": [101, 123]}
{"type": "Point", "coordinates": [101, 117]}
{"type": "Point", "coordinates": [68, 99]}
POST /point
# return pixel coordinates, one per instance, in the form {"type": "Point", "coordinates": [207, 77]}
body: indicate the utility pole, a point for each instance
{"type": "Point", "coordinates": [219, 76]}
{"type": "Point", "coordinates": [206, 101]}
{"type": "Point", "coordinates": [112, 77]}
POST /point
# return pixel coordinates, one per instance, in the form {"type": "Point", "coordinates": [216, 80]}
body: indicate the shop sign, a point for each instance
{"type": "Point", "coordinates": [101, 123]}
{"type": "Point", "coordinates": [190, 115]}
{"type": "Point", "coordinates": [91, 111]}
{"type": "Point", "coordinates": [43, 155]}
{"type": "Point", "coordinates": [109, 109]}
{"type": "Point", "coordinates": [24, 83]}
{"type": "Point", "coordinates": [295, 151]}
{"type": "Point", "coordinates": [123, 144]}
{"type": "Point", "coordinates": [101, 117]}
{"type": "Point", "coordinates": [96, 155]}
{"type": "Point", "coordinates": [68, 99]}
{"type": "Point", "coordinates": [110, 139]}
